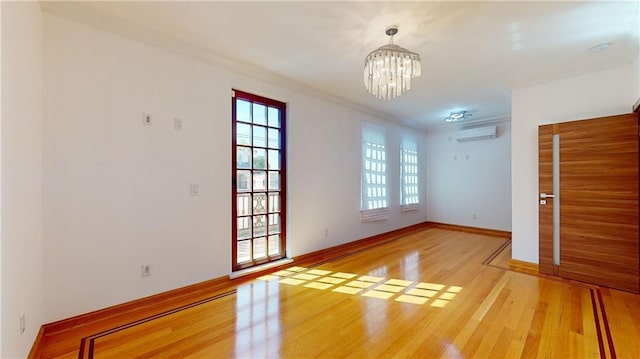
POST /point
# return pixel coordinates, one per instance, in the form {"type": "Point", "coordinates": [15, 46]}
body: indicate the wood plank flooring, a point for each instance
{"type": "Point", "coordinates": [432, 294]}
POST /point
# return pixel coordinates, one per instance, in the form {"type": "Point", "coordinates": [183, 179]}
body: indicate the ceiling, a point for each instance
{"type": "Point", "coordinates": [472, 53]}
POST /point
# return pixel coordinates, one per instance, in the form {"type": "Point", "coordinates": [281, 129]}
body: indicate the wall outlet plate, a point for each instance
{"type": "Point", "coordinates": [146, 270]}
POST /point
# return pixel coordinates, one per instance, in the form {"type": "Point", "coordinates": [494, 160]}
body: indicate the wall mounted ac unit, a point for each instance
{"type": "Point", "coordinates": [477, 133]}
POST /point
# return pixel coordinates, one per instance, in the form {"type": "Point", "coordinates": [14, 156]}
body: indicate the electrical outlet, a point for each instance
{"type": "Point", "coordinates": [146, 270]}
{"type": "Point", "coordinates": [474, 216]}
{"type": "Point", "coordinates": [146, 119]}
{"type": "Point", "coordinates": [177, 124]}
{"type": "Point", "coordinates": [23, 324]}
{"type": "Point", "coordinates": [194, 189]}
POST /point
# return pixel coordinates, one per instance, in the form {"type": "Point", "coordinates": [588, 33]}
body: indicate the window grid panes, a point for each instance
{"type": "Point", "coordinates": [258, 219]}
{"type": "Point", "coordinates": [409, 174]}
{"type": "Point", "coordinates": [375, 176]}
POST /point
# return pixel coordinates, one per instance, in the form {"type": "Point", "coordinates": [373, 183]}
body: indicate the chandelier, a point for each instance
{"type": "Point", "coordinates": [388, 70]}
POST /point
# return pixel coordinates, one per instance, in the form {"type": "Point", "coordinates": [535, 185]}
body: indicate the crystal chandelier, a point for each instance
{"type": "Point", "coordinates": [388, 70]}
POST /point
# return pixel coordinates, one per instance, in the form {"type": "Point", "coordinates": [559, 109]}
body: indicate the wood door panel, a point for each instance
{"type": "Point", "coordinates": [599, 201]}
{"type": "Point", "coordinates": [545, 212]}
{"type": "Point", "coordinates": [617, 253]}
{"type": "Point", "coordinates": [589, 273]}
{"type": "Point", "coordinates": [594, 192]}
{"type": "Point", "coordinates": [599, 212]}
{"type": "Point", "coordinates": [599, 234]}
{"type": "Point", "coordinates": [600, 167]}
{"type": "Point", "coordinates": [592, 141]}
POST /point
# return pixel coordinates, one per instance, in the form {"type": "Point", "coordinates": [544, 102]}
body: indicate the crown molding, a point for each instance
{"type": "Point", "coordinates": [86, 15]}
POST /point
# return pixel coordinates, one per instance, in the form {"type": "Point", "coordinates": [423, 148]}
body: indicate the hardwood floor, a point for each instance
{"type": "Point", "coordinates": [431, 294]}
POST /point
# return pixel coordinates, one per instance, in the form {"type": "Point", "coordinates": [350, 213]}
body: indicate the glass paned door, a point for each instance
{"type": "Point", "coordinates": [258, 180]}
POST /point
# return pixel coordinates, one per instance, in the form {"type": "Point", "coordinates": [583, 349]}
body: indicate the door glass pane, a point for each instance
{"type": "Point", "coordinates": [259, 225]}
{"type": "Point", "coordinates": [243, 201]}
{"type": "Point", "coordinates": [274, 202]}
{"type": "Point", "coordinates": [556, 199]}
{"type": "Point", "coordinates": [243, 181]}
{"type": "Point", "coordinates": [274, 159]}
{"type": "Point", "coordinates": [243, 134]}
{"type": "Point", "coordinates": [259, 180]}
{"type": "Point", "coordinates": [244, 227]}
{"type": "Point", "coordinates": [243, 111]}
{"type": "Point", "coordinates": [259, 158]}
{"type": "Point", "coordinates": [243, 157]}
{"type": "Point", "coordinates": [274, 180]}
{"type": "Point", "coordinates": [259, 136]}
{"type": "Point", "coordinates": [274, 223]}
{"type": "Point", "coordinates": [274, 117]}
{"type": "Point", "coordinates": [244, 251]}
{"type": "Point", "coordinates": [274, 138]}
{"type": "Point", "coordinates": [274, 245]}
{"type": "Point", "coordinates": [259, 248]}
{"type": "Point", "coordinates": [260, 203]}
{"type": "Point", "coordinates": [259, 114]}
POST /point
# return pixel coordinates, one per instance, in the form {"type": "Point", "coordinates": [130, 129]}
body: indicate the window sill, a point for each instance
{"type": "Point", "coordinates": [372, 215]}
{"type": "Point", "coordinates": [409, 207]}
{"type": "Point", "coordinates": [258, 268]}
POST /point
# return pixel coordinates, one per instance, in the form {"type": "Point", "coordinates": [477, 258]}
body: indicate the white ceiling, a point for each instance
{"type": "Point", "coordinates": [472, 52]}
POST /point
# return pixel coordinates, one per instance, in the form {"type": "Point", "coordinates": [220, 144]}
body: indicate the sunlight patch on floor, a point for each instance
{"type": "Point", "coordinates": [359, 284]}
{"type": "Point", "coordinates": [344, 275]}
{"type": "Point", "coordinates": [404, 291]}
{"type": "Point", "coordinates": [347, 290]}
{"type": "Point", "coordinates": [411, 299]}
{"type": "Point", "coordinates": [376, 294]}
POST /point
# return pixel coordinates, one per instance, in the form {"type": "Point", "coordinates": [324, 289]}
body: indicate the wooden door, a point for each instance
{"type": "Point", "coordinates": [597, 201]}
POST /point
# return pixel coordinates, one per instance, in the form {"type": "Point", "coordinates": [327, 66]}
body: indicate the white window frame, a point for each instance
{"type": "Point", "coordinates": [409, 175]}
{"type": "Point", "coordinates": [374, 194]}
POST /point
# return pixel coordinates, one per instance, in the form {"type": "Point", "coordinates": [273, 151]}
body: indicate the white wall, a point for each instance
{"type": "Point", "coordinates": [637, 62]}
{"type": "Point", "coordinates": [116, 193]}
{"type": "Point", "coordinates": [636, 69]}
{"type": "Point", "coordinates": [470, 178]}
{"type": "Point", "coordinates": [1, 100]}
{"type": "Point", "coordinates": [22, 288]}
{"type": "Point", "coordinates": [596, 94]}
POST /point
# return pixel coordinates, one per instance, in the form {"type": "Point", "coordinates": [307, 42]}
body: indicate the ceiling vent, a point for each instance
{"type": "Point", "coordinates": [477, 133]}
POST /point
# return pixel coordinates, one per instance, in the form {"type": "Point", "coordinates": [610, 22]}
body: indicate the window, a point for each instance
{"type": "Point", "coordinates": [258, 159]}
{"type": "Point", "coordinates": [409, 194]}
{"type": "Point", "coordinates": [374, 200]}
